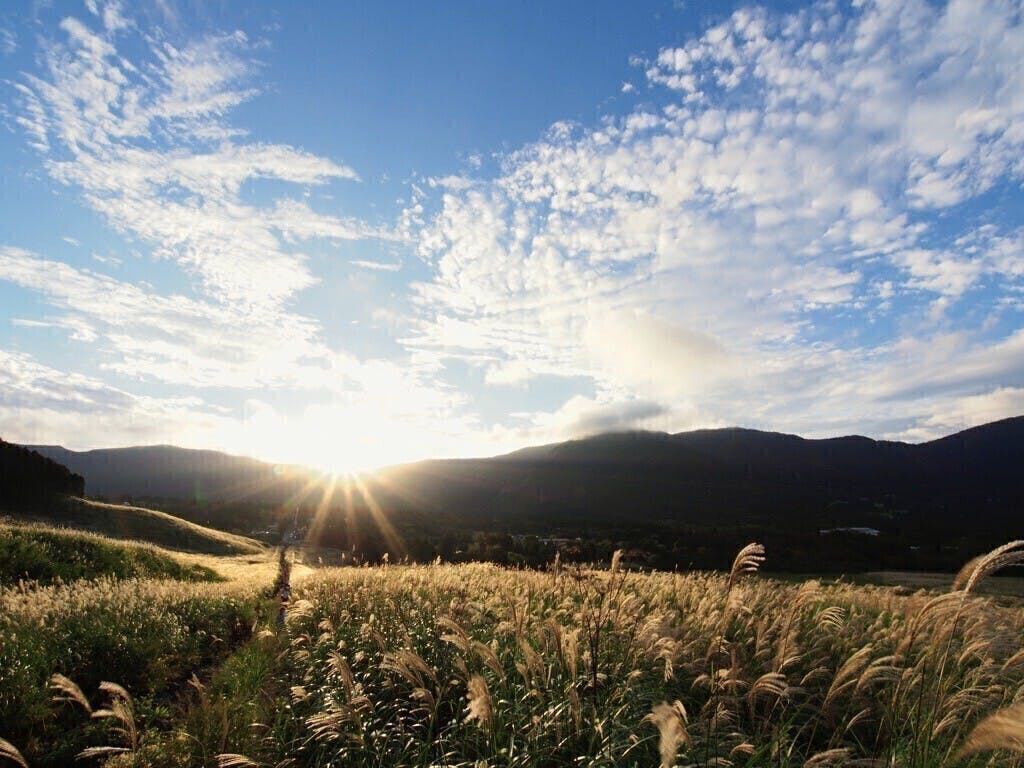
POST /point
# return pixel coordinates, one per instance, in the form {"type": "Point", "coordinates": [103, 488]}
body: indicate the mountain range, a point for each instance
{"type": "Point", "coordinates": [735, 475]}
{"type": "Point", "coordinates": [864, 501]}
{"type": "Point", "coordinates": [733, 472]}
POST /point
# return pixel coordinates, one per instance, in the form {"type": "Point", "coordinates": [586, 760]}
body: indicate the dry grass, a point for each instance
{"type": "Point", "coordinates": [241, 570]}
{"type": "Point", "coordinates": [1002, 586]}
{"type": "Point", "coordinates": [476, 665]}
{"type": "Point", "coordinates": [145, 635]}
{"type": "Point", "coordinates": [468, 663]}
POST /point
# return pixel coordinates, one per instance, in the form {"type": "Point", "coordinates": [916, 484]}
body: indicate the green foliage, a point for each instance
{"type": "Point", "coordinates": [34, 553]}
{"type": "Point", "coordinates": [147, 635]}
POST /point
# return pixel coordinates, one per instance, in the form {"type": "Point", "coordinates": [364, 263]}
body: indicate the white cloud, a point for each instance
{"type": "Point", "coordinates": [142, 337]}
{"type": "Point", "coordinates": [199, 344]}
{"type": "Point", "coordinates": [174, 339]}
{"type": "Point", "coordinates": [110, 12]}
{"type": "Point", "coordinates": [39, 402]}
{"type": "Point", "coordinates": [723, 257]}
{"type": "Point", "coordinates": [582, 416]}
{"type": "Point", "coordinates": [8, 42]}
{"type": "Point", "coordinates": [647, 354]}
{"type": "Point", "coordinates": [147, 146]}
{"type": "Point", "coordinates": [970, 411]}
{"type": "Point", "coordinates": [379, 266]}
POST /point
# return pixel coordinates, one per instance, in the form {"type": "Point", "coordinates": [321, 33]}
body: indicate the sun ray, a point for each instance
{"type": "Point", "coordinates": [322, 513]}
{"type": "Point", "coordinates": [391, 536]}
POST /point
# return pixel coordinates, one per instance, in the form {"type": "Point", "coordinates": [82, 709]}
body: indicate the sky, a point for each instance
{"type": "Point", "coordinates": [355, 234]}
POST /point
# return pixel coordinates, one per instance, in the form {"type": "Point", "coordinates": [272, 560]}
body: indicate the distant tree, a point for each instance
{"type": "Point", "coordinates": [27, 477]}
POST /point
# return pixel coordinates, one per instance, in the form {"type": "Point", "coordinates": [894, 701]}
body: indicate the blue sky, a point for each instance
{"type": "Point", "coordinates": [351, 234]}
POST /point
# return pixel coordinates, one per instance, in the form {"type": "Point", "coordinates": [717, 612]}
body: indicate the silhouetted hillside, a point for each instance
{"type": "Point", "coordinates": [167, 472]}
{"type": "Point", "coordinates": [28, 477]}
{"type": "Point", "coordinates": [846, 504]}
{"type": "Point", "coordinates": [727, 476]}
{"type": "Point", "coordinates": [690, 499]}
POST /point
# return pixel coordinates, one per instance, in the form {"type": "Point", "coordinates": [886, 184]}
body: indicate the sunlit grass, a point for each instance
{"type": "Point", "coordinates": [243, 570]}
{"type": "Point", "coordinates": [474, 664]}
{"type": "Point", "coordinates": [144, 634]}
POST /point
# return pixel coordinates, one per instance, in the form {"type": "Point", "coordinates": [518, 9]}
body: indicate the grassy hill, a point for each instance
{"type": "Point", "coordinates": [138, 524]}
{"type": "Point", "coordinates": [45, 555]}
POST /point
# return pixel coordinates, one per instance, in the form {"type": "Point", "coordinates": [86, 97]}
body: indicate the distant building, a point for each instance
{"type": "Point", "coordinates": [855, 529]}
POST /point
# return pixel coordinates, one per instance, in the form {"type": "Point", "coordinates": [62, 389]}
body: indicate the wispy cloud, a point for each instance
{"type": "Point", "coordinates": [148, 146]}
{"type": "Point", "coordinates": [110, 12]}
{"type": "Point", "coordinates": [39, 401]}
{"type": "Point", "coordinates": [380, 266]}
{"type": "Point", "coordinates": [8, 42]}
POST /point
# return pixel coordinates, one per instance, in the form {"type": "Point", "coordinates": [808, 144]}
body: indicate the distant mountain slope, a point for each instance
{"type": "Point", "coordinates": [726, 476]}
{"type": "Point", "coordinates": [721, 478]}
{"type": "Point", "coordinates": [596, 474]}
{"type": "Point", "coordinates": [28, 477]}
{"type": "Point", "coordinates": [687, 500]}
{"type": "Point", "coordinates": [163, 471]}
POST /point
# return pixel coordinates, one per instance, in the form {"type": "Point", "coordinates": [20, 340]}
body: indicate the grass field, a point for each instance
{"type": "Point", "coordinates": [148, 634]}
{"type": "Point", "coordinates": [476, 665]}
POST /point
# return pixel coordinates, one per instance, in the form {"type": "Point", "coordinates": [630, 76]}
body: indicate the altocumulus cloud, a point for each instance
{"type": "Point", "coordinates": [770, 245]}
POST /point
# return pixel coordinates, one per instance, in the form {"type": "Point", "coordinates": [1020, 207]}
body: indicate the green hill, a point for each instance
{"type": "Point", "coordinates": [137, 524]}
{"type": "Point", "coordinates": [43, 554]}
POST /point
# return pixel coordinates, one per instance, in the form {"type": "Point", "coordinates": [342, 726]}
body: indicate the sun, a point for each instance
{"type": "Point", "coordinates": [336, 441]}
{"type": "Point", "coordinates": [356, 437]}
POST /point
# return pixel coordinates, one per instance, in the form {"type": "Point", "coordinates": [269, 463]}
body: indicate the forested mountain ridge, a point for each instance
{"type": "Point", "coordinates": [733, 472]}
